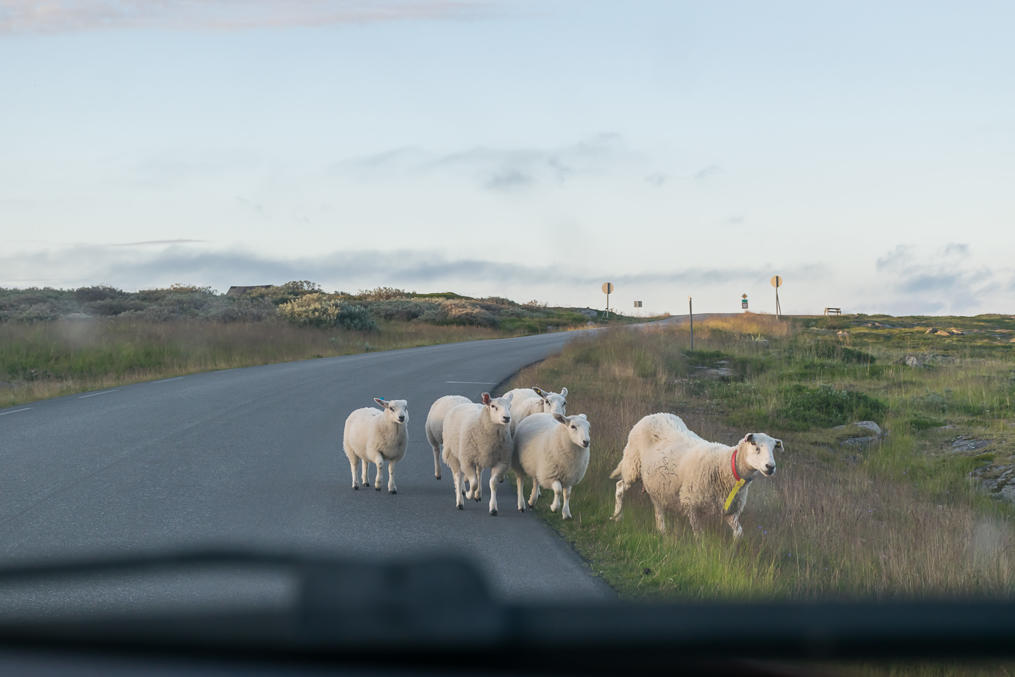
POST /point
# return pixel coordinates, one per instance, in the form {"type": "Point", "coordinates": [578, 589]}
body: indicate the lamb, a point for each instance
{"type": "Point", "coordinates": [681, 471]}
{"type": "Point", "coordinates": [435, 425]}
{"type": "Point", "coordinates": [554, 451]}
{"type": "Point", "coordinates": [478, 436]}
{"type": "Point", "coordinates": [528, 401]}
{"type": "Point", "coordinates": [375, 436]}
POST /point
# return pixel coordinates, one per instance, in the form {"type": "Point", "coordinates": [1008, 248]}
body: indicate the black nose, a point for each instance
{"type": "Point", "coordinates": [401, 419]}
{"type": "Point", "coordinates": [585, 443]}
{"type": "Point", "coordinates": [507, 419]}
{"type": "Point", "coordinates": [770, 468]}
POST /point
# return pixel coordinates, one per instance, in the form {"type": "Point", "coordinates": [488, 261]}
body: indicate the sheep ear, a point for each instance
{"type": "Point", "coordinates": [486, 398]}
{"type": "Point", "coordinates": [560, 419]}
{"type": "Point", "coordinates": [563, 392]}
{"type": "Point", "coordinates": [749, 438]}
{"type": "Point", "coordinates": [380, 401]}
{"type": "Point", "coordinates": [509, 397]}
{"type": "Point", "coordinates": [539, 391]}
{"type": "Point", "coordinates": [584, 416]}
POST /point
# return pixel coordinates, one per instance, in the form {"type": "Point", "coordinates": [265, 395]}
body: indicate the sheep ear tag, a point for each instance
{"type": "Point", "coordinates": [733, 494]}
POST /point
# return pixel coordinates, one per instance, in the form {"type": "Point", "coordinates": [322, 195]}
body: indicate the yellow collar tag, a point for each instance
{"type": "Point", "coordinates": [733, 494]}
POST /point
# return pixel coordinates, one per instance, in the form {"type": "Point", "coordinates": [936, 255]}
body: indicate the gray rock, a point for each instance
{"type": "Point", "coordinates": [963, 444]}
{"type": "Point", "coordinates": [861, 434]}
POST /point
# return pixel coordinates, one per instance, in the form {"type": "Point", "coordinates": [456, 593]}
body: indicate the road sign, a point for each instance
{"type": "Point", "coordinates": [777, 282]}
{"type": "Point", "coordinates": [743, 301]}
{"type": "Point", "coordinates": [607, 287]}
{"type": "Point", "coordinates": [637, 304]}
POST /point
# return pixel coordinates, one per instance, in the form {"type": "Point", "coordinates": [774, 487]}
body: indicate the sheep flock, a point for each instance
{"type": "Point", "coordinates": [528, 431]}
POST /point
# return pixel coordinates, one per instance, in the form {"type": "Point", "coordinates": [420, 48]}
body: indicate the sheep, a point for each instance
{"type": "Point", "coordinates": [435, 426]}
{"type": "Point", "coordinates": [478, 436]}
{"type": "Point", "coordinates": [554, 451]}
{"type": "Point", "coordinates": [528, 401]}
{"type": "Point", "coordinates": [681, 471]}
{"type": "Point", "coordinates": [375, 436]}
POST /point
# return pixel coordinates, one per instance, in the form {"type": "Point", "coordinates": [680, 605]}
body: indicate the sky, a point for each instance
{"type": "Point", "coordinates": [864, 151]}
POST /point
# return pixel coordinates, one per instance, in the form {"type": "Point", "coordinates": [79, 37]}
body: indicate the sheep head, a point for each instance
{"type": "Point", "coordinates": [758, 451]}
{"type": "Point", "coordinates": [577, 428]}
{"type": "Point", "coordinates": [397, 411]}
{"type": "Point", "coordinates": [553, 403]}
{"type": "Point", "coordinates": [498, 408]}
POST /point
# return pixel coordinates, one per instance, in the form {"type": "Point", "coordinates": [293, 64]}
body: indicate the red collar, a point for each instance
{"type": "Point", "coordinates": [733, 464]}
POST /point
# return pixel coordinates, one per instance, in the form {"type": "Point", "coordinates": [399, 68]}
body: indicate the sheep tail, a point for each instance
{"type": "Point", "coordinates": [629, 468]}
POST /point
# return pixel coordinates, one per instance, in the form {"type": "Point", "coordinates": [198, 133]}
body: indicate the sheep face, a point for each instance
{"type": "Point", "coordinates": [758, 451]}
{"type": "Point", "coordinates": [396, 411]}
{"type": "Point", "coordinates": [554, 403]}
{"type": "Point", "coordinates": [498, 408]}
{"type": "Point", "coordinates": [577, 429]}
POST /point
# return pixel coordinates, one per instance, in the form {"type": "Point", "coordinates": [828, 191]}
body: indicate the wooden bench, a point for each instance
{"type": "Point", "coordinates": [833, 311]}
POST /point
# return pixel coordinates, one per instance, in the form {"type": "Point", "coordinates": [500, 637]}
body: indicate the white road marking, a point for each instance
{"type": "Point", "coordinates": [101, 392]}
{"type": "Point", "coordinates": [167, 380]}
{"type": "Point", "coordinates": [7, 413]}
{"type": "Point", "coordinates": [475, 383]}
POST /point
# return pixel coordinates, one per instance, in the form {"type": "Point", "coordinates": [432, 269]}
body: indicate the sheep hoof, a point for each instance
{"type": "Point", "coordinates": [355, 488]}
{"type": "Point", "coordinates": [461, 507]}
{"type": "Point", "coordinates": [393, 491]}
{"type": "Point", "coordinates": [366, 484]}
{"type": "Point", "coordinates": [477, 499]}
{"type": "Point", "coordinates": [377, 488]}
{"type": "Point", "coordinates": [436, 477]}
{"type": "Point", "coordinates": [493, 513]}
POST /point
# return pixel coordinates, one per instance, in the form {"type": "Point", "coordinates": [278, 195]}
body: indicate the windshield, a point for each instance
{"type": "Point", "coordinates": [659, 303]}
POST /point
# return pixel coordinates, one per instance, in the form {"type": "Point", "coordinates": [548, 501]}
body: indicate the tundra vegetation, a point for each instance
{"type": "Point", "coordinates": [54, 341]}
{"type": "Point", "coordinates": [923, 509]}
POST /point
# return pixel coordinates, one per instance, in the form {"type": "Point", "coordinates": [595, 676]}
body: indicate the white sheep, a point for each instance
{"type": "Point", "coordinates": [681, 471]}
{"type": "Point", "coordinates": [375, 436]}
{"type": "Point", "coordinates": [435, 426]}
{"type": "Point", "coordinates": [528, 401]}
{"type": "Point", "coordinates": [476, 437]}
{"type": "Point", "coordinates": [554, 451]}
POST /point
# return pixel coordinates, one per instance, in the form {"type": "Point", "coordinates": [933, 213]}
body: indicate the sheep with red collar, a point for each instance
{"type": "Point", "coordinates": [376, 436]}
{"type": "Point", "coordinates": [681, 472]}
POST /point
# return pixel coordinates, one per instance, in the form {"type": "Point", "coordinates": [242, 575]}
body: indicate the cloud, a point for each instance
{"type": "Point", "coordinates": [923, 281]}
{"type": "Point", "coordinates": [499, 169]}
{"type": "Point", "coordinates": [92, 264]}
{"type": "Point", "coordinates": [707, 172]}
{"type": "Point", "coordinates": [147, 243]}
{"type": "Point", "coordinates": [65, 16]}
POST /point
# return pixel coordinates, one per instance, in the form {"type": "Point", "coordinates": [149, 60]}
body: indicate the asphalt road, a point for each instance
{"type": "Point", "coordinates": [251, 458]}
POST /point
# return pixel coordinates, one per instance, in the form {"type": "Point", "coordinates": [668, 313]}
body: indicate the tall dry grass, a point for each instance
{"type": "Point", "coordinates": [48, 359]}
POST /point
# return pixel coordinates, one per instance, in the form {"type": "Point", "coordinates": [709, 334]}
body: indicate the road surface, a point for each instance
{"type": "Point", "coordinates": [250, 458]}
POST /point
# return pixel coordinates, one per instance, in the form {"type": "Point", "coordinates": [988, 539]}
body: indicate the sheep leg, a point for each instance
{"type": "Point", "coordinates": [477, 494]}
{"type": "Point", "coordinates": [363, 472]}
{"type": "Point", "coordinates": [494, 477]}
{"type": "Point", "coordinates": [618, 506]}
{"type": "Point", "coordinates": [392, 489]}
{"type": "Point", "coordinates": [436, 463]}
{"type": "Point", "coordinates": [456, 474]}
{"type": "Point", "coordinates": [520, 484]}
{"type": "Point", "coordinates": [565, 511]}
{"type": "Point", "coordinates": [734, 522]}
{"type": "Point", "coordinates": [660, 517]}
{"type": "Point", "coordinates": [695, 519]}
{"type": "Point", "coordinates": [535, 493]}
{"type": "Point", "coordinates": [556, 496]}
{"type": "Point", "coordinates": [377, 477]}
{"type": "Point", "coordinates": [352, 467]}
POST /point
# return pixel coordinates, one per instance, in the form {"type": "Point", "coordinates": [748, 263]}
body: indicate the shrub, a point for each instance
{"type": "Point", "coordinates": [800, 407]}
{"type": "Point", "coordinates": [321, 310]}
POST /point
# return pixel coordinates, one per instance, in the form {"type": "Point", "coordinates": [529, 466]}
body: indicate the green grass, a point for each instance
{"type": "Point", "coordinates": [900, 519]}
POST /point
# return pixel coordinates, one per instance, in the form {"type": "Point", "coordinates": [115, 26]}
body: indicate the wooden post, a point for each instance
{"type": "Point", "coordinates": [690, 314]}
